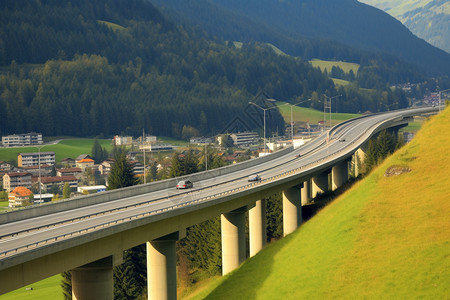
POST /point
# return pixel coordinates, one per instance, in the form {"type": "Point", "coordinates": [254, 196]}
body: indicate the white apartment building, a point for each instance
{"type": "Point", "coordinates": [22, 139]}
{"type": "Point", "coordinates": [34, 158]}
{"type": "Point", "coordinates": [245, 138]}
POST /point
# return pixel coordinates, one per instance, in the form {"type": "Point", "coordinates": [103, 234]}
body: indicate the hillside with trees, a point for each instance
{"type": "Point", "coordinates": [98, 68]}
{"type": "Point", "coordinates": [325, 29]}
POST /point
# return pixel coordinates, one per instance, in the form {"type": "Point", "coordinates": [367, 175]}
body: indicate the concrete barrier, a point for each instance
{"type": "Point", "coordinates": [69, 204]}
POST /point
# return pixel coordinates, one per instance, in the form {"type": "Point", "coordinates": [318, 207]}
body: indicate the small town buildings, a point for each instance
{"type": "Point", "coordinates": [91, 189]}
{"type": "Point", "coordinates": [22, 139]}
{"type": "Point", "coordinates": [70, 172]}
{"type": "Point", "coordinates": [85, 163]}
{"type": "Point", "coordinates": [4, 166]}
{"type": "Point", "coordinates": [105, 167]}
{"type": "Point", "coordinates": [68, 162]}
{"type": "Point", "coordinates": [44, 169]}
{"type": "Point", "coordinates": [48, 182]}
{"type": "Point", "coordinates": [20, 196]}
{"type": "Point", "coordinates": [122, 140]}
{"type": "Point", "coordinates": [138, 167]}
{"type": "Point", "coordinates": [42, 198]}
{"type": "Point", "coordinates": [35, 158]}
{"type": "Point", "coordinates": [201, 140]}
{"type": "Point", "coordinates": [245, 138]}
{"type": "Point", "coordinates": [15, 179]}
{"type": "Point", "coordinates": [83, 156]}
{"type": "Point", "coordinates": [156, 147]}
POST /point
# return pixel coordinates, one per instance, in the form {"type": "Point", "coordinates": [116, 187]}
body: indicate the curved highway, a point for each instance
{"type": "Point", "coordinates": [19, 237]}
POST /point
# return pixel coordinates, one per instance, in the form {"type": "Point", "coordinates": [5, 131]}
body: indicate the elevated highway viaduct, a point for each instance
{"type": "Point", "coordinates": [88, 235]}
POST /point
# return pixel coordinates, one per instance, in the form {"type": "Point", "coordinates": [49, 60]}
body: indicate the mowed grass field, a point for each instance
{"type": "Point", "coordinates": [305, 115]}
{"type": "Point", "coordinates": [46, 289]}
{"type": "Point", "coordinates": [328, 65]}
{"type": "Point", "coordinates": [385, 238]}
{"type": "Point", "coordinates": [65, 148]}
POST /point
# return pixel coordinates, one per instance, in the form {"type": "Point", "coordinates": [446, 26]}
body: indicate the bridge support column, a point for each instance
{"type": "Point", "coordinates": [292, 209]}
{"type": "Point", "coordinates": [319, 184]}
{"type": "Point", "coordinates": [257, 227]}
{"type": "Point", "coordinates": [233, 239]}
{"type": "Point", "coordinates": [94, 280]}
{"type": "Point", "coordinates": [306, 192]}
{"type": "Point", "coordinates": [339, 175]}
{"type": "Point", "coordinates": [359, 158]}
{"type": "Point", "coordinates": [161, 268]}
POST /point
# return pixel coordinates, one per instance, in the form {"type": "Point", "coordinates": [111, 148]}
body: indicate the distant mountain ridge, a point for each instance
{"type": "Point", "coordinates": [428, 19]}
{"type": "Point", "coordinates": [346, 22]}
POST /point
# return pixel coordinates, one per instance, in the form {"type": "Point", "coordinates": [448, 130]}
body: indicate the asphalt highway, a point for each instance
{"type": "Point", "coordinates": [20, 236]}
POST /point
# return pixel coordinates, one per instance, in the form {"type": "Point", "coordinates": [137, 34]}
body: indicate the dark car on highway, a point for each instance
{"type": "Point", "coordinates": [254, 178]}
{"type": "Point", "coordinates": [184, 184]}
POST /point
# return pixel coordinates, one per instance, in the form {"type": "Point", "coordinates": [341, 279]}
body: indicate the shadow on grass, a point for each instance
{"type": "Point", "coordinates": [246, 281]}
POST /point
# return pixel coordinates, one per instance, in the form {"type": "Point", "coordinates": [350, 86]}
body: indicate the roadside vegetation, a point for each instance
{"type": "Point", "coordinates": [387, 237]}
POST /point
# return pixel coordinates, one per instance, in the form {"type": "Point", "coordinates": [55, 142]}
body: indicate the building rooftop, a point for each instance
{"type": "Point", "coordinates": [21, 191]}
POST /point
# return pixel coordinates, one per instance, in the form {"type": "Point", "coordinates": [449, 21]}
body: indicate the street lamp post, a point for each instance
{"type": "Point", "coordinates": [39, 169]}
{"type": "Point", "coordinates": [292, 121]}
{"type": "Point", "coordinates": [264, 110]}
{"type": "Point", "coordinates": [324, 106]}
{"type": "Point", "coordinates": [440, 93]}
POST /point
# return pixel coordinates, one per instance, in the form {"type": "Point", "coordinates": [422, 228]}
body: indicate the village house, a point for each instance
{"type": "Point", "coordinates": [20, 196]}
{"type": "Point", "coordinates": [70, 172]}
{"type": "Point", "coordinates": [68, 162]}
{"type": "Point", "coordinates": [85, 163]}
{"type": "Point", "coordinates": [4, 166]}
{"type": "Point", "coordinates": [15, 179]}
{"type": "Point", "coordinates": [45, 170]}
{"type": "Point", "coordinates": [105, 167]}
{"type": "Point", "coordinates": [48, 182]}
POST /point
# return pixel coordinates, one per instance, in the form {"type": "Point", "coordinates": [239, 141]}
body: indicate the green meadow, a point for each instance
{"type": "Point", "coordinates": [327, 65]}
{"type": "Point", "coordinates": [387, 237]}
{"type": "Point", "coordinates": [48, 288]}
{"type": "Point", "coordinates": [65, 148]}
{"type": "Point", "coordinates": [305, 115]}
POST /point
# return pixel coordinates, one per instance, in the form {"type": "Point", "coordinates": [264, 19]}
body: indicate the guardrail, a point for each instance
{"type": "Point", "coordinates": [318, 163]}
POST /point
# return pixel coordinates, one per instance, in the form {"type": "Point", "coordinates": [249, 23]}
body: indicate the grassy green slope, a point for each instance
{"type": "Point", "coordinates": [304, 115]}
{"type": "Point", "coordinates": [48, 288]}
{"type": "Point", "coordinates": [328, 65]}
{"type": "Point", "coordinates": [386, 238]}
{"type": "Point", "coordinates": [65, 148]}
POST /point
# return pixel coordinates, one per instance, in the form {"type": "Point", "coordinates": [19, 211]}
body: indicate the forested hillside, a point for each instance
{"type": "Point", "coordinates": [104, 67]}
{"type": "Point", "coordinates": [428, 19]}
{"type": "Point", "coordinates": [315, 29]}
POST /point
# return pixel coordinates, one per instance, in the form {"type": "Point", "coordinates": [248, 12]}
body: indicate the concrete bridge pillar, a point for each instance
{"type": "Point", "coordinates": [161, 268]}
{"type": "Point", "coordinates": [339, 175]}
{"type": "Point", "coordinates": [257, 227]}
{"type": "Point", "coordinates": [233, 239]}
{"type": "Point", "coordinates": [292, 209]}
{"type": "Point", "coordinates": [359, 158]}
{"type": "Point", "coordinates": [306, 192]}
{"type": "Point", "coordinates": [319, 184]}
{"type": "Point", "coordinates": [94, 280]}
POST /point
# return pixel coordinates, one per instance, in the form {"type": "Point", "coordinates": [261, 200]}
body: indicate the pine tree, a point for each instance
{"type": "Point", "coordinates": [371, 157]}
{"type": "Point", "coordinates": [66, 190]}
{"type": "Point", "coordinates": [130, 278]}
{"type": "Point", "coordinates": [66, 285]}
{"type": "Point", "coordinates": [122, 174]}
{"type": "Point", "coordinates": [177, 166]}
{"type": "Point", "coordinates": [97, 152]}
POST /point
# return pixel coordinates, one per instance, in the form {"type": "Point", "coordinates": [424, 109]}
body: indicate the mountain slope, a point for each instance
{"type": "Point", "coordinates": [344, 22]}
{"type": "Point", "coordinates": [385, 238]}
{"type": "Point", "coordinates": [428, 19]}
